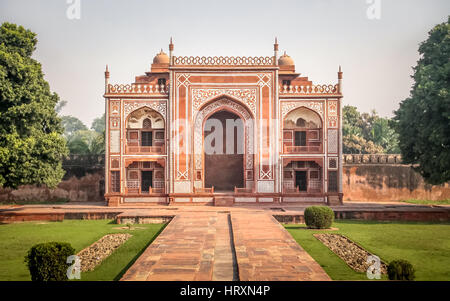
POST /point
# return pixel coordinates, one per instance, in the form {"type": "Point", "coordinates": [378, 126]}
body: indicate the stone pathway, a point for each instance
{"type": "Point", "coordinates": [184, 251]}
{"type": "Point", "coordinates": [265, 251]}
{"type": "Point", "coordinates": [224, 246]}
{"type": "Point", "coordinates": [225, 265]}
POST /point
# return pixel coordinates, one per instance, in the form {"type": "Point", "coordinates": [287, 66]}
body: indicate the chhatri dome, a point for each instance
{"type": "Point", "coordinates": [285, 60]}
{"type": "Point", "coordinates": [161, 58]}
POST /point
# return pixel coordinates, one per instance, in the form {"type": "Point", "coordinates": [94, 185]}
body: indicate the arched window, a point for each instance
{"type": "Point", "coordinates": [147, 124]}
{"type": "Point", "coordinates": [301, 122]}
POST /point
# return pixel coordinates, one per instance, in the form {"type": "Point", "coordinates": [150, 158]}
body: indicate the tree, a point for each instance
{"type": "Point", "coordinates": [82, 141]}
{"type": "Point", "coordinates": [86, 142]}
{"type": "Point", "coordinates": [351, 120]}
{"type": "Point", "coordinates": [365, 133]}
{"type": "Point", "coordinates": [423, 119]}
{"type": "Point", "coordinates": [366, 124]}
{"type": "Point", "coordinates": [31, 144]}
{"type": "Point", "coordinates": [384, 135]}
{"type": "Point", "coordinates": [98, 124]}
{"type": "Point", "coordinates": [354, 144]}
{"type": "Point", "coordinates": [72, 125]}
{"type": "Point", "coordinates": [60, 105]}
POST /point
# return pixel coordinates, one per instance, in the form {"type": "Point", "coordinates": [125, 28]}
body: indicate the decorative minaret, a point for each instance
{"type": "Point", "coordinates": [106, 79]}
{"type": "Point", "coordinates": [170, 51]}
{"type": "Point", "coordinates": [341, 104]}
{"type": "Point", "coordinates": [106, 130]}
{"type": "Point", "coordinates": [275, 51]}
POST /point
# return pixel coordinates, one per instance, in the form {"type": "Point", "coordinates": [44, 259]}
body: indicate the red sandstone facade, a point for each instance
{"type": "Point", "coordinates": [288, 147]}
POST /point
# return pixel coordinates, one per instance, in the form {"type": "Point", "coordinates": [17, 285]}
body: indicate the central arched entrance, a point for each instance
{"type": "Point", "coordinates": [223, 147]}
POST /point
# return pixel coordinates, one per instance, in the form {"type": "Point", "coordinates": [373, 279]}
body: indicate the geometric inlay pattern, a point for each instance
{"type": "Point", "coordinates": [316, 106]}
{"type": "Point", "coordinates": [202, 95]}
{"type": "Point", "coordinates": [158, 106]}
{"type": "Point", "coordinates": [333, 141]}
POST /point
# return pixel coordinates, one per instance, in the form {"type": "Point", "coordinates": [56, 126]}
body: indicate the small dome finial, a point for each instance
{"type": "Point", "coordinates": [171, 44]}
{"type": "Point", "coordinates": [161, 58]}
{"type": "Point", "coordinates": [285, 60]}
{"type": "Point", "coordinates": [106, 72]}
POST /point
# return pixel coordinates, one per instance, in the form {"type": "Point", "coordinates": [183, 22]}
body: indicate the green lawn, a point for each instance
{"type": "Point", "coordinates": [16, 239]}
{"type": "Point", "coordinates": [425, 245]}
{"type": "Point", "coordinates": [427, 202]}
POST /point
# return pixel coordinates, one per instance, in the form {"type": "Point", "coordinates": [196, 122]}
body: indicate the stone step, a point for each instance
{"type": "Point", "coordinates": [223, 201]}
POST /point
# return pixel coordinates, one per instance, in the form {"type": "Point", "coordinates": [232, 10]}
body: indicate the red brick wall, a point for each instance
{"type": "Point", "coordinates": [82, 189]}
{"type": "Point", "coordinates": [388, 182]}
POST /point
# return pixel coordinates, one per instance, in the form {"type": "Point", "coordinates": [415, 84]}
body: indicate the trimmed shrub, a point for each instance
{"type": "Point", "coordinates": [319, 217]}
{"type": "Point", "coordinates": [401, 270]}
{"type": "Point", "coordinates": [47, 261]}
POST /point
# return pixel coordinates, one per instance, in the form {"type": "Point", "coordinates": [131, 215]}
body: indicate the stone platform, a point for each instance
{"type": "Point", "coordinates": [285, 213]}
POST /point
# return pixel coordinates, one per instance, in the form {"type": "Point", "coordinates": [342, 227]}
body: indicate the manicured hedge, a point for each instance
{"type": "Point", "coordinates": [319, 217]}
{"type": "Point", "coordinates": [401, 270]}
{"type": "Point", "coordinates": [48, 261]}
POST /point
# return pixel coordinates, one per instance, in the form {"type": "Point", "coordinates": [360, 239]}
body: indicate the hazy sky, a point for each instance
{"type": "Point", "coordinates": [376, 54]}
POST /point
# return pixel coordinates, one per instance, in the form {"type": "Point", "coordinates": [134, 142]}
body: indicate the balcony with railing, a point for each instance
{"type": "Point", "coordinates": [136, 147]}
{"type": "Point", "coordinates": [314, 186]}
{"type": "Point", "coordinates": [222, 61]}
{"type": "Point", "coordinates": [287, 90]}
{"type": "Point", "coordinates": [306, 149]}
{"type": "Point", "coordinates": [136, 89]}
{"type": "Point", "coordinates": [134, 187]}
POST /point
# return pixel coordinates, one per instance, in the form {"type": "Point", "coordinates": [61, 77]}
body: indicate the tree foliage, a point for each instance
{"type": "Point", "coordinates": [365, 133]}
{"type": "Point", "coordinates": [98, 124]}
{"type": "Point", "coordinates": [82, 141]}
{"type": "Point", "coordinates": [423, 119]}
{"type": "Point", "coordinates": [72, 125]}
{"type": "Point", "coordinates": [86, 142]}
{"type": "Point", "coordinates": [31, 145]}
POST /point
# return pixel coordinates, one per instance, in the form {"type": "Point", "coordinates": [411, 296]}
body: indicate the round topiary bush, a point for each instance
{"type": "Point", "coordinates": [319, 217]}
{"type": "Point", "coordinates": [47, 261]}
{"type": "Point", "coordinates": [401, 270]}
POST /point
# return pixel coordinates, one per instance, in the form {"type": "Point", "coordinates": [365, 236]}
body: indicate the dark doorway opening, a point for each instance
{"type": "Point", "coordinates": [147, 138]}
{"type": "Point", "coordinates": [223, 170]}
{"type": "Point", "coordinates": [147, 180]}
{"type": "Point", "coordinates": [300, 138]}
{"type": "Point", "coordinates": [300, 180]}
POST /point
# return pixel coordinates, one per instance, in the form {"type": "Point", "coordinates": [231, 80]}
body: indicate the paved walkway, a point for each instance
{"type": "Point", "coordinates": [267, 252]}
{"type": "Point", "coordinates": [218, 245]}
{"type": "Point", "coordinates": [184, 251]}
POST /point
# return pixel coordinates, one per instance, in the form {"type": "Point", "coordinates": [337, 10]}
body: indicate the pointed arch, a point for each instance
{"type": "Point", "coordinates": [138, 117]}
{"type": "Point", "coordinates": [227, 104]}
